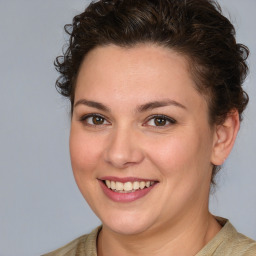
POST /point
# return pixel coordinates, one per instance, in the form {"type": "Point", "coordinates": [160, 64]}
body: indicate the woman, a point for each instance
{"type": "Point", "coordinates": [156, 103]}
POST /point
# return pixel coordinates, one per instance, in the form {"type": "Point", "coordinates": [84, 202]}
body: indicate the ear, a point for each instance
{"type": "Point", "coordinates": [224, 138]}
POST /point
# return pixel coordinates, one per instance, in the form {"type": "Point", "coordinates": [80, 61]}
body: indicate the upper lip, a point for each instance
{"type": "Point", "coordinates": [125, 179]}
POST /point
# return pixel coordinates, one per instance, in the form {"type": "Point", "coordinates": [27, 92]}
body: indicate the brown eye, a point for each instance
{"type": "Point", "coordinates": [94, 120]}
{"type": "Point", "coordinates": [97, 120]}
{"type": "Point", "coordinates": [160, 121]}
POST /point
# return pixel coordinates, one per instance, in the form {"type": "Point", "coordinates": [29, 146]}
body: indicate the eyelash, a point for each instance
{"type": "Point", "coordinates": [85, 118]}
{"type": "Point", "coordinates": [171, 121]}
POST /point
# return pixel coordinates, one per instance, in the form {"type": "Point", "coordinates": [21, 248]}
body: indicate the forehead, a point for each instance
{"type": "Point", "coordinates": [136, 73]}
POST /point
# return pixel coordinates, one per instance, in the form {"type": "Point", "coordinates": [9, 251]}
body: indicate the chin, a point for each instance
{"type": "Point", "coordinates": [129, 224]}
{"type": "Point", "coordinates": [128, 229]}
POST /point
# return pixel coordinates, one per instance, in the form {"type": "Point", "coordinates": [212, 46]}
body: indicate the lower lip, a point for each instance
{"type": "Point", "coordinates": [125, 197]}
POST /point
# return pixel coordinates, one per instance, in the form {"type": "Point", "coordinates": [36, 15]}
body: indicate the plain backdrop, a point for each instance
{"type": "Point", "coordinates": [41, 208]}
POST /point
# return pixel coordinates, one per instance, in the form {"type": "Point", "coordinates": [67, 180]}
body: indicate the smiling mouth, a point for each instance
{"type": "Point", "coordinates": [128, 187]}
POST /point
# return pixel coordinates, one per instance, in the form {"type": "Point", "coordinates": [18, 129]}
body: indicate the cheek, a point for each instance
{"type": "Point", "coordinates": [182, 154]}
{"type": "Point", "coordinates": [85, 157]}
{"type": "Point", "coordinates": [169, 153]}
{"type": "Point", "coordinates": [184, 164]}
{"type": "Point", "coordinates": [84, 152]}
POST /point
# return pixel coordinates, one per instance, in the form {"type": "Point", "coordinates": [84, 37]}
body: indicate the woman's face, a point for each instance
{"type": "Point", "coordinates": [140, 127]}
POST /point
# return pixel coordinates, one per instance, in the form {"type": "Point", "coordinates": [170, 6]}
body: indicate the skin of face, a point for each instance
{"type": "Point", "coordinates": [129, 143]}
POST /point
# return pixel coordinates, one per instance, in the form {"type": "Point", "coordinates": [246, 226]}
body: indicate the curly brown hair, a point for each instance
{"type": "Point", "coordinates": [194, 28]}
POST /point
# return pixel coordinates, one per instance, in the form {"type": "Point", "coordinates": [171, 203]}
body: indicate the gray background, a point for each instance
{"type": "Point", "coordinates": [40, 205]}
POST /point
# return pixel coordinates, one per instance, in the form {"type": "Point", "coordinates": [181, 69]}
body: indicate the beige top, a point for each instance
{"type": "Point", "coordinates": [227, 242]}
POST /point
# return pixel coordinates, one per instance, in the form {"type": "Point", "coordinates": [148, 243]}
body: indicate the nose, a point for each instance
{"type": "Point", "coordinates": [123, 148]}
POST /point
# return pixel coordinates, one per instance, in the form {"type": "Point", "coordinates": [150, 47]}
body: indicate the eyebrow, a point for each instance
{"type": "Point", "coordinates": [92, 104]}
{"type": "Point", "coordinates": [158, 104]}
{"type": "Point", "coordinates": [140, 108]}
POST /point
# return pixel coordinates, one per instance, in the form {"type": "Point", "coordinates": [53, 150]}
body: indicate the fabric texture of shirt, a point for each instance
{"type": "Point", "coordinates": [227, 242]}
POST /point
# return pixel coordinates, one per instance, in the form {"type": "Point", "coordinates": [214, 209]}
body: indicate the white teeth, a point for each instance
{"type": "Point", "coordinates": [142, 184]}
{"type": "Point", "coordinates": [119, 185]}
{"type": "Point", "coordinates": [113, 185]}
{"type": "Point", "coordinates": [128, 186]}
{"type": "Point", "coordinates": [136, 185]}
{"type": "Point", "coordinates": [108, 183]}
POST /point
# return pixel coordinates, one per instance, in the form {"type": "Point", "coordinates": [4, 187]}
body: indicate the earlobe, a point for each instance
{"type": "Point", "coordinates": [224, 138]}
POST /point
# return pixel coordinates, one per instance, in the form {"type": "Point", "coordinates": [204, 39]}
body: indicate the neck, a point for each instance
{"type": "Point", "coordinates": [186, 237]}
